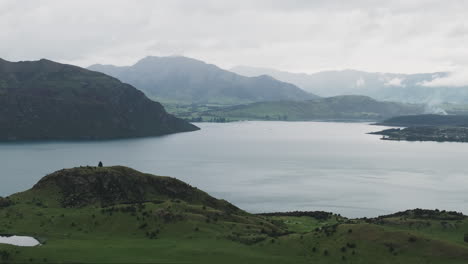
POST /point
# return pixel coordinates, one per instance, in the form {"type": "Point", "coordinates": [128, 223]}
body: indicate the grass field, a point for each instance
{"type": "Point", "coordinates": [177, 231]}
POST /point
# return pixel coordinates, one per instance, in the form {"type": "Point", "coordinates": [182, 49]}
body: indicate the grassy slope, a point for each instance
{"type": "Point", "coordinates": [332, 108]}
{"type": "Point", "coordinates": [174, 231]}
{"type": "Point", "coordinates": [428, 120]}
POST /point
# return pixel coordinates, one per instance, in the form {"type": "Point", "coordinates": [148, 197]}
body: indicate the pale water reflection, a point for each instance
{"type": "Point", "coordinates": [273, 166]}
{"type": "Point", "coordinates": [22, 241]}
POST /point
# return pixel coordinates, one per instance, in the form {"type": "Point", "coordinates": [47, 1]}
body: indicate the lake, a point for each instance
{"type": "Point", "coordinates": [272, 166]}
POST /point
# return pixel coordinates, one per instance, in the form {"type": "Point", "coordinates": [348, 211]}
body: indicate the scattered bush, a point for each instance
{"type": "Point", "coordinates": [5, 202]}
{"type": "Point", "coordinates": [4, 255]}
{"type": "Point", "coordinates": [351, 245]}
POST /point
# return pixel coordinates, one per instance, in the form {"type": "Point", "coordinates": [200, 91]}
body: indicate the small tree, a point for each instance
{"type": "Point", "coordinates": [100, 164]}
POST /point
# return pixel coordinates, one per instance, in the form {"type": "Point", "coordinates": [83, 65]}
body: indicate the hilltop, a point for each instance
{"type": "Point", "coordinates": [106, 186]}
{"type": "Point", "coordinates": [119, 215]}
{"type": "Point", "coordinates": [183, 80]}
{"type": "Point", "coordinates": [45, 100]}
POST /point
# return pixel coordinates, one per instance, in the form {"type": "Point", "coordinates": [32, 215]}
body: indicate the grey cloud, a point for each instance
{"type": "Point", "coordinates": [297, 35]}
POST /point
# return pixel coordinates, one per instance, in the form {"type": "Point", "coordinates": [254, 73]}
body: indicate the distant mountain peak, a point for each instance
{"type": "Point", "coordinates": [188, 80]}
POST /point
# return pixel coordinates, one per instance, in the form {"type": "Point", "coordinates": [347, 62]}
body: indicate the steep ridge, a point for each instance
{"type": "Point", "coordinates": [48, 100]}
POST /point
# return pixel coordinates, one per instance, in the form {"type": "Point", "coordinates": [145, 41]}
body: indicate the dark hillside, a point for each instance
{"type": "Point", "coordinates": [47, 100]}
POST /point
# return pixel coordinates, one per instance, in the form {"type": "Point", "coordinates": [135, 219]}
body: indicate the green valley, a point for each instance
{"type": "Point", "coordinates": [338, 108]}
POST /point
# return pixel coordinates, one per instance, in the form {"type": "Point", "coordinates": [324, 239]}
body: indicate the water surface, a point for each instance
{"type": "Point", "coordinates": [273, 166]}
{"type": "Point", "coordinates": [22, 241]}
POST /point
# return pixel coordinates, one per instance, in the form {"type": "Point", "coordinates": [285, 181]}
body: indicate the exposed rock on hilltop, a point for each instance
{"type": "Point", "coordinates": [104, 186]}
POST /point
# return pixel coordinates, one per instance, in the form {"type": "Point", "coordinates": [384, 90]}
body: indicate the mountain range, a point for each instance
{"type": "Point", "coordinates": [185, 80]}
{"type": "Point", "coordinates": [48, 100]}
{"type": "Point", "coordinates": [381, 86]}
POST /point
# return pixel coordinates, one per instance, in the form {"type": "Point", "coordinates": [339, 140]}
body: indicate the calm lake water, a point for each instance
{"type": "Point", "coordinates": [273, 166]}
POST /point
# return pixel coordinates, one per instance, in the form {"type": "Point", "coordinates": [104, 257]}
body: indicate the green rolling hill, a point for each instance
{"type": "Point", "coordinates": [119, 215]}
{"type": "Point", "coordinates": [342, 108]}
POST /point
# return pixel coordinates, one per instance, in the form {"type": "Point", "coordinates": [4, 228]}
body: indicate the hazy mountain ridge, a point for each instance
{"type": "Point", "coordinates": [381, 86]}
{"type": "Point", "coordinates": [48, 100]}
{"type": "Point", "coordinates": [187, 80]}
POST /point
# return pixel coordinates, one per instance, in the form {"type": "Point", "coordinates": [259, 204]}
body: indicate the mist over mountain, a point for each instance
{"type": "Point", "coordinates": [48, 100]}
{"type": "Point", "coordinates": [185, 80]}
{"type": "Point", "coordinates": [410, 88]}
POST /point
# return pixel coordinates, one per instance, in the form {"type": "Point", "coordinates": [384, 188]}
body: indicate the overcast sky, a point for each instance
{"type": "Point", "coordinates": [295, 35]}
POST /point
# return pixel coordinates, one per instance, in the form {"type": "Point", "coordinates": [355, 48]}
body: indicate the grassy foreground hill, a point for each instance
{"type": "Point", "coordinates": [48, 100]}
{"type": "Point", "coordinates": [119, 215]}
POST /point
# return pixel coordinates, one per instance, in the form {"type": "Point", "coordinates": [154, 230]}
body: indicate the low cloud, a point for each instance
{"type": "Point", "coordinates": [296, 35]}
{"type": "Point", "coordinates": [360, 82]}
{"type": "Point", "coordinates": [457, 78]}
{"type": "Point", "coordinates": [395, 82]}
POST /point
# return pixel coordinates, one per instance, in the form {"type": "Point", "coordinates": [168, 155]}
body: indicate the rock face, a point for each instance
{"type": "Point", "coordinates": [47, 100]}
{"type": "Point", "coordinates": [186, 80]}
{"type": "Point", "coordinates": [105, 186]}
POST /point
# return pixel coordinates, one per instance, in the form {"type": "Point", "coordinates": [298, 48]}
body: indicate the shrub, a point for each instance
{"type": "Point", "coordinates": [351, 245]}
{"type": "Point", "coordinates": [4, 255]}
{"type": "Point", "coordinates": [5, 202]}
